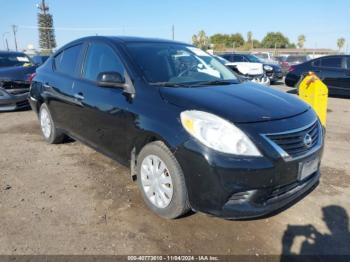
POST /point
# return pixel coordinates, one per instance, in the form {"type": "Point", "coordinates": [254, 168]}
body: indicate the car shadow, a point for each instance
{"type": "Point", "coordinates": [315, 245]}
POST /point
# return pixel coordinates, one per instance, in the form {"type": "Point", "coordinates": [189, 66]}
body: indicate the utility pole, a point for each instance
{"type": "Point", "coordinates": [173, 31]}
{"type": "Point", "coordinates": [14, 29]}
{"type": "Point", "coordinates": [5, 42]}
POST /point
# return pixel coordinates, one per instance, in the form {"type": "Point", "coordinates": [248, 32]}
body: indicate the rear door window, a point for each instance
{"type": "Point", "coordinates": [101, 58]}
{"type": "Point", "coordinates": [348, 63]}
{"type": "Point", "coordinates": [332, 62]}
{"type": "Point", "coordinates": [66, 61]}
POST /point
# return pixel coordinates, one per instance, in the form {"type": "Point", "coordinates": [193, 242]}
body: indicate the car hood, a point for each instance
{"type": "Point", "coordinates": [239, 103]}
{"type": "Point", "coordinates": [16, 73]}
{"type": "Point", "coordinates": [247, 68]}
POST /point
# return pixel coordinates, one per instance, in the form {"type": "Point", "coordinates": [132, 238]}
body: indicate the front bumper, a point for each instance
{"type": "Point", "coordinates": [275, 75]}
{"type": "Point", "coordinates": [10, 101]}
{"type": "Point", "coordinates": [245, 187]}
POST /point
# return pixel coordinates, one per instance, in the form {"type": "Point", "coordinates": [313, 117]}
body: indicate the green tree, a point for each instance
{"type": "Point", "coordinates": [236, 40]}
{"type": "Point", "coordinates": [226, 40]}
{"type": "Point", "coordinates": [301, 41]}
{"type": "Point", "coordinates": [275, 39]}
{"type": "Point", "coordinates": [201, 40]}
{"type": "Point", "coordinates": [47, 39]}
{"type": "Point", "coordinates": [341, 43]}
{"type": "Point", "coordinates": [256, 43]}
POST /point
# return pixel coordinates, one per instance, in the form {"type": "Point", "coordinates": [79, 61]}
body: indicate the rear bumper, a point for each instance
{"type": "Point", "coordinates": [11, 102]}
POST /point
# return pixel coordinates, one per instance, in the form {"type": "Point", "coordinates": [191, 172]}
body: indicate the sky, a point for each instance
{"type": "Point", "coordinates": [321, 21]}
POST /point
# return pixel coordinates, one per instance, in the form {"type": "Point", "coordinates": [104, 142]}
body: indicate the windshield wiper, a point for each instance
{"type": "Point", "coordinates": [171, 84]}
{"type": "Point", "coordinates": [215, 82]}
{"type": "Point", "coordinates": [193, 84]}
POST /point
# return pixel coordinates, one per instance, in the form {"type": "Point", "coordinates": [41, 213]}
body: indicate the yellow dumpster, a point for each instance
{"type": "Point", "coordinates": [314, 92]}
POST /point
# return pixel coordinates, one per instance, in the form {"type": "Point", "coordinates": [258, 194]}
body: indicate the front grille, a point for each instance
{"type": "Point", "coordinates": [18, 91]}
{"type": "Point", "coordinates": [239, 197]}
{"type": "Point", "coordinates": [22, 104]}
{"type": "Point", "coordinates": [12, 85]}
{"type": "Point", "coordinates": [294, 144]}
{"type": "Point", "coordinates": [288, 190]}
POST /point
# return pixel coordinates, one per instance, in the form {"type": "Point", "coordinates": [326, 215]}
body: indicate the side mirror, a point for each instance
{"type": "Point", "coordinates": [111, 79]}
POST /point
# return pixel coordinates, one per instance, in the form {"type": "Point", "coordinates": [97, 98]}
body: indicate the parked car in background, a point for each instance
{"type": "Point", "coordinates": [334, 71]}
{"type": "Point", "coordinates": [193, 139]}
{"type": "Point", "coordinates": [40, 59]}
{"type": "Point", "coordinates": [283, 64]}
{"type": "Point", "coordinates": [253, 72]}
{"type": "Point", "coordinates": [16, 71]}
{"type": "Point", "coordinates": [265, 57]}
{"type": "Point", "coordinates": [292, 60]}
{"type": "Point", "coordinates": [272, 71]}
{"type": "Point", "coordinates": [296, 59]}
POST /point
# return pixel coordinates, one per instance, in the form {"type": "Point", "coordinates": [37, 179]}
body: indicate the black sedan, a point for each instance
{"type": "Point", "coordinates": [334, 71]}
{"type": "Point", "coordinates": [194, 136]}
{"type": "Point", "coordinates": [272, 71]}
{"type": "Point", "coordinates": [16, 71]}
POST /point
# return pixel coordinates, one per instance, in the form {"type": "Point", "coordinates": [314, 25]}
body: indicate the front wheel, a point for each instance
{"type": "Point", "coordinates": [51, 134]}
{"type": "Point", "coordinates": [161, 181]}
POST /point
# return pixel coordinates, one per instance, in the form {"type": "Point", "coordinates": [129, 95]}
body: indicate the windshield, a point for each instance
{"type": "Point", "coordinates": [15, 59]}
{"type": "Point", "coordinates": [253, 58]}
{"type": "Point", "coordinates": [166, 63]}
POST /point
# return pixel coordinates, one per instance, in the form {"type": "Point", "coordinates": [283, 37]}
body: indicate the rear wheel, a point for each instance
{"type": "Point", "coordinates": [51, 134]}
{"type": "Point", "coordinates": [161, 181]}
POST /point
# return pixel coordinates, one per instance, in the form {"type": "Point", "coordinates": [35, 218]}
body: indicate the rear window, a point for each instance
{"type": "Point", "coordinates": [14, 59]}
{"type": "Point", "coordinates": [66, 61]}
{"type": "Point", "coordinates": [332, 62]}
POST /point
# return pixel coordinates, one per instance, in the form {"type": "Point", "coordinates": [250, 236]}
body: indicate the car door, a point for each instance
{"type": "Point", "coordinates": [332, 70]}
{"type": "Point", "coordinates": [104, 119]}
{"type": "Point", "coordinates": [58, 86]}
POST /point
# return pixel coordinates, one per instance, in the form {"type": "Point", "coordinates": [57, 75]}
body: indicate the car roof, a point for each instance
{"type": "Point", "coordinates": [11, 53]}
{"type": "Point", "coordinates": [128, 39]}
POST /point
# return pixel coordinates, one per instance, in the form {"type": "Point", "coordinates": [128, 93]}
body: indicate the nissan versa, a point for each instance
{"type": "Point", "coordinates": [194, 135]}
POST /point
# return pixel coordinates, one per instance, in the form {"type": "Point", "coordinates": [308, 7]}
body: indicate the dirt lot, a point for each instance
{"type": "Point", "coordinates": [68, 199]}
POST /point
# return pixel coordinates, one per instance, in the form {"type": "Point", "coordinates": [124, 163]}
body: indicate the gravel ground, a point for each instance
{"type": "Point", "coordinates": [68, 199]}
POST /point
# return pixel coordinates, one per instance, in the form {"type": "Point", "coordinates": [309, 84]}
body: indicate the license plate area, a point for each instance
{"type": "Point", "coordinates": [308, 167]}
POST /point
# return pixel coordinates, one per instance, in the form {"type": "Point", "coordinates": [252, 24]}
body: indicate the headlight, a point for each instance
{"type": "Point", "coordinates": [268, 68]}
{"type": "Point", "coordinates": [217, 133]}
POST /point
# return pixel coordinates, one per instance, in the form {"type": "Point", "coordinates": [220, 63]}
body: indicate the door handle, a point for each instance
{"type": "Point", "coordinates": [79, 96]}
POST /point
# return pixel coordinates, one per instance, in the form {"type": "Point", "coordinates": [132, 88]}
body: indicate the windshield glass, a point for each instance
{"type": "Point", "coordinates": [175, 63]}
{"type": "Point", "coordinates": [9, 60]}
{"type": "Point", "coordinates": [253, 58]}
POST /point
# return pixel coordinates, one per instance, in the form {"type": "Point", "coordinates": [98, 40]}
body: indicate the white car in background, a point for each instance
{"type": "Point", "coordinates": [253, 72]}
{"type": "Point", "coordinates": [266, 57]}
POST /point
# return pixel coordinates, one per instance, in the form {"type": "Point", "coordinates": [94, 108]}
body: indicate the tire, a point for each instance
{"type": "Point", "coordinates": [48, 128]}
{"type": "Point", "coordinates": [176, 203]}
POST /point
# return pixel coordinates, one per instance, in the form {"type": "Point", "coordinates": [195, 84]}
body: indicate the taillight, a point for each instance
{"type": "Point", "coordinates": [30, 77]}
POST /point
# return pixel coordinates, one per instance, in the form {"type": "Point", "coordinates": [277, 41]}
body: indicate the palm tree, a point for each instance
{"type": "Point", "coordinates": [201, 40]}
{"type": "Point", "coordinates": [250, 39]}
{"type": "Point", "coordinates": [301, 41]}
{"type": "Point", "coordinates": [341, 43]}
